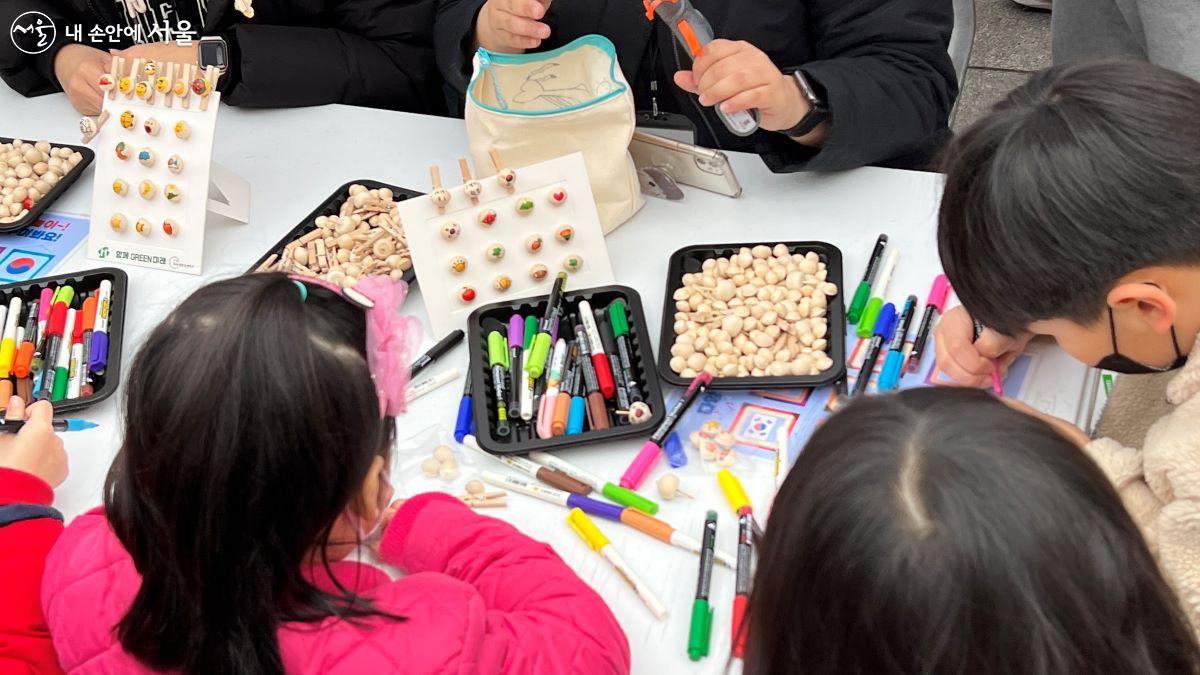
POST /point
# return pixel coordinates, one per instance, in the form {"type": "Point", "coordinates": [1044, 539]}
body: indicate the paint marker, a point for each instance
{"type": "Point", "coordinates": [527, 382]}
{"type": "Point", "coordinates": [24, 358]}
{"type": "Point", "coordinates": [934, 305]}
{"type": "Point", "coordinates": [541, 342]}
{"type": "Point", "coordinates": [54, 339]}
{"type": "Point", "coordinates": [516, 346]}
{"type": "Point", "coordinates": [435, 352]}
{"type": "Point", "coordinates": [600, 360]}
{"type": "Point", "coordinates": [597, 412]}
{"type": "Point", "coordinates": [464, 423]}
{"type": "Point", "coordinates": [546, 406]}
{"type": "Point", "coordinates": [547, 475]}
{"type": "Point", "coordinates": [75, 361]}
{"type": "Point", "coordinates": [620, 328]}
{"type": "Point", "coordinates": [99, 352]}
{"type": "Point", "coordinates": [498, 362]}
{"type": "Point", "coordinates": [62, 364]}
{"type": "Point", "coordinates": [614, 492]}
{"type": "Point", "coordinates": [748, 531]}
{"type": "Point", "coordinates": [562, 402]}
{"type": "Point", "coordinates": [418, 389]}
{"type": "Point", "coordinates": [609, 342]}
{"type": "Point", "coordinates": [997, 381]}
{"type": "Point", "coordinates": [700, 629]}
{"type": "Point", "coordinates": [577, 413]}
{"type": "Point", "coordinates": [878, 290]}
{"type": "Point", "coordinates": [552, 494]}
{"type": "Point", "coordinates": [863, 293]}
{"type": "Point", "coordinates": [59, 425]}
{"type": "Point", "coordinates": [8, 345]}
{"type": "Point", "coordinates": [89, 330]}
{"type": "Point", "coordinates": [599, 543]}
{"type": "Point", "coordinates": [649, 454]}
{"type": "Point", "coordinates": [889, 378]}
{"type": "Point", "coordinates": [45, 301]}
{"type": "Point", "coordinates": [885, 323]}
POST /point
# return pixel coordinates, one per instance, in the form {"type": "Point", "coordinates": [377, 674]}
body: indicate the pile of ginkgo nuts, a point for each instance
{"type": "Point", "coordinates": [760, 312]}
{"type": "Point", "coordinates": [364, 238]}
{"type": "Point", "coordinates": [30, 171]}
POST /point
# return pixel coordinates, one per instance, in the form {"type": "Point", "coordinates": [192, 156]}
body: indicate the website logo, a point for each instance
{"type": "Point", "coordinates": [33, 32]}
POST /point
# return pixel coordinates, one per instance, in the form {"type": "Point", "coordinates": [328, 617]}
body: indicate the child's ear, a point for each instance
{"type": "Point", "coordinates": [368, 499]}
{"type": "Point", "coordinates": [1149, 303]}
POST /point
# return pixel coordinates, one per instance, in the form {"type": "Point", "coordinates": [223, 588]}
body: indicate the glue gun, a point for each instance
{"type": "Point", "coordinates": [693, 31]}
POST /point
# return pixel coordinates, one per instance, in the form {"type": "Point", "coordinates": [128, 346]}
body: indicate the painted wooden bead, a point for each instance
{"type": "Point", "coordinates": [557, 196]}
{"type": "Point", "coordinates": [487, 217]}
{"type": "Point", "coordinates": [450, 231]}
{"type": "Point", "coordinates": [162, 84]}
{"type": "Point", "coordinates": [150, 69]}
{"type": "Point", "coordinates": [122, 151]}
{"type": "Point", "coordinates": [458, 264]}
{"type": "Point", "coordinates": [151, 126]}
{"type": "Point", "coordinates": [506, 178]}
{"type": "Point", "coordinates": [146, 189]}
{"type": "Point", "coordinates": [564, 234]}
{"type": "Point", "coordinates": [172, 192]}
{"type": "Point", "coordinates": [87, 127]}
{"type": "Point", "coordinates": [143, 227]}
{"type": "Point", "coordinates": [120, 187]}
{"type": "Point", "coordinates": [200, 86]}
{"type": "Point", "coordinates": [524, 205]}
{"type": "Point", "coordinates": [145, 157]}
{"type": "Point", "coordinates": [573, 262]}
{"type": "Point", "coordinates": [127, 119]}
{"type": "Point", "coordinates": [106, 82]}
{"type": "Point", "coordinates": [175, 164]}
{"type": "Point", "coordinates": [142, 90]}
{"type": "Point", "coordinates": [117, 222]}
{"type": "Point", "coordinates": [179, 88]}
{"type": "Point", "coordinates": [466, 294]}
{"type": "Point", "coordinates": [502, 282]}
{"type": "Point", "coordinates": [495, 252]}
{"type": "Point", "coordinates": [440, 197]}
{"type": "Point", "coordinates": [539, 272]}
{"type": "Point", "coordinates": [125, 84]}
{"type": "Point", "coordinates": [170, 228]}
{"type": "Point", "coordinates": [533, 243]}
{"type": "Point", "coordinates": [473, 189]}
{"type": "Point", "coordinates": [182, 130]}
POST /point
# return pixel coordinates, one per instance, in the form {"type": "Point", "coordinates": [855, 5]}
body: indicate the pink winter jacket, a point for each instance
{"type": "Point", "coordinates": [480, 597]}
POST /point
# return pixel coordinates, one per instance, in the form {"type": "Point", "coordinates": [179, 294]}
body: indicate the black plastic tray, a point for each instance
{"type": "Point", "coordinates": [689, 260]}
{"type": "Point", "coordinates": [56, 191]}
{"type": "Point", "coordinates": [331, 206]}
{"type": "Point", "coordinates": [87, 280]}
{"type": "Point", "coordinates": [495, 317]}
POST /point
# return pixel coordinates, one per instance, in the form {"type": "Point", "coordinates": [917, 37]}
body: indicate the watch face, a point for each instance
{"type": "Point", "coordinates": [212, 53]}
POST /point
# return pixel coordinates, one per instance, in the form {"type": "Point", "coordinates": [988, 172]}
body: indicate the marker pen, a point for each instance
{"type": "Point", "coordinates": [464, 423]}
{"type": "Point", "coordinates": [99, 351]}
{"type": "Point", "coordinates": [889, 378]}
{"type": "Point", "coordinates": [735, 494]}
{"type": "Point", "coordinates": [62, 364]}
{"type": "Point", "coordinates": [562, 402]}
{"type": "Point", "coordinates": [55, 325]}
{"type": "Point", "coordinates": [597, 412]}
{"type": "Point", "coordinates": [8, 345]}
{"type": "Point", "coordinates": [599, 543]}
{"type": "Point", "coordinates": [609, 342]}
{"type": "Point", "coordinates": [545, 416]}
{"type": "Point", "coordinates": [435, 352]}
{"type": "Point", "coordinates": [878, 290]}
{"type": "Point", "coordinates": [600, 361]}
{"type": "Point", "coordinates": [648, 455]}
{"type": "Point", "coordinates": [614, 492]}
{"type": "Point", "coordinates": [620, 327]}
{"type": "Point", "coordinates": [527, 381]}
{"type": "Point", "coordinates": [552, 495]}
{"type": "Point", "coordinates": [997, 381]}
{"type": "Point", "coordinates": [541, 343]}
{"type": "Point", "coordinates": [498, 362]}
{"type": "Point", "coordinates": [885, 323]}
{"type": "Point", "coordinates": [548, 476]}
{"type": "Point", "coordinates": [516, 346]}
{"type": "Point", "coordinates": [418, 389]}
{"type": "Point", "coordinates": [700, 629]}
{"type": "Point", "coordinates": [24, 357]}
{"type": "Point", "coordinates": [45, 302]}
{"type": "Point", "coordinates": [863, 292]}
{"type": "Point", "coordinates": [934, 306]}
{"type": "Point", "coordinates": [577, 413]}
{"type": "Point", "coordinates": [60, 424]}
{"type": "Point", "coordinates": [75, 364]}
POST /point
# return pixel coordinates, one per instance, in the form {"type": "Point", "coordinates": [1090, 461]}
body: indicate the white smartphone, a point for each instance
{"type": "Point", "coordinates": [686, 164]}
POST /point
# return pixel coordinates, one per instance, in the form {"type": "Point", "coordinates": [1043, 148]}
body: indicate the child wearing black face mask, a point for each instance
{"type": "Point", "coordinates": [1073, 211]}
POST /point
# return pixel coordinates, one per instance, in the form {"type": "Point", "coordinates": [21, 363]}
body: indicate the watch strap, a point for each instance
{"type": "Point", "coordinates": [817, 110]}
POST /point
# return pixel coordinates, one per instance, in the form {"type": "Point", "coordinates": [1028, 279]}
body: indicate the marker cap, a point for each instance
{"type": "Point", "coordinates": [596, 508]}
{"type": "Point", "coordinates": [889, 378]}
{"type": "Point", "coordinates": [866, 322]}
{"type": "Point", "coordinates": [575, 416]}
{"type": "Point", "coordinates": [629, 498]}
{"type": "Point", "coordinates": [586, 529]}
{"type": "Point", "coordinates": [734, 493]}
{"type": "Point", "coordinates": [618, 319]}
{"type": "Point", "coordinates": [516, 331]}
{"type": "Point", "coordinates": [536, 363]}
{"type": "Point", "coordinates": [531, 329]}
{"type": "Point", "coordinates": [939, 292]}
{"type": "Point", "coordinates": [861, 295]}
{"type": "Point", "coordinates": [89, 313]}
{"type": "Point", "coordinates": [497, 349]}
{"type": "Point", "coordinates": [673, 449]}
{"type": "Point", "coordinates": [885, 325]}
{"type": "Point", "coordinates": [700, 631]}
{"type": "Point", "coordinates": [645, 460]}
{"type": "Point", "coordinates": [647, 524]}
{"type": "Point", "coordinates": [65, 295]}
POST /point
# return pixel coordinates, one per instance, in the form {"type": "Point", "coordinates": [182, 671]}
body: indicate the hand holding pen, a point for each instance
{"type": "Point", "coordinates": [969, 362]}
{"type": "Point", "coordinates": [34, 449]}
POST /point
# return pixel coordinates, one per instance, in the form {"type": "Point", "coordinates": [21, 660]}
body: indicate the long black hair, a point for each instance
{"type": "Point", "coordinates": [939, 531]}
{"type": "Point", "coordinates": [251, 424]}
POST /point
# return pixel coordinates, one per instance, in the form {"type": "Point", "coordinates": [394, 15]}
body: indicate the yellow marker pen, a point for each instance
{"type": "Point", "coordinates": [8, 346]}
{"type": "Point", "coordinates": [595, 539]}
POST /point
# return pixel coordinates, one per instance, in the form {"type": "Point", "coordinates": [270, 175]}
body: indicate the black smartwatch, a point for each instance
{"type": "Point", "coordinates": [214, 52]}
{"type": "Point", "coordinates": [817, 110]}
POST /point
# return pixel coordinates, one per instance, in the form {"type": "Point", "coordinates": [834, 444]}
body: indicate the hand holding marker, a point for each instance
{"type": "Point", "coordinates": [997, 381]}
{"type": "Point", "coordinates": [889, 378]}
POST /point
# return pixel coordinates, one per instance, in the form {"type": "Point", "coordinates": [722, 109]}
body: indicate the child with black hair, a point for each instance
{"type": "Point", "coordinates": [1073, 211]}
{"type": "Point", "coordinates": [258, 432]}
{"type": "Point", "coordinates": [940, 531]}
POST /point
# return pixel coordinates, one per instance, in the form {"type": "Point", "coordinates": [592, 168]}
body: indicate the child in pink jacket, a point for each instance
{"type": "Point", "coordinates": [260, 417]}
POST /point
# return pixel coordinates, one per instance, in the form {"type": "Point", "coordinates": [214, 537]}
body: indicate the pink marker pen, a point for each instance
{"type": "Point", "coordinates": [934, 306]}
{"type": "Point", "coordinates": [648, 456]}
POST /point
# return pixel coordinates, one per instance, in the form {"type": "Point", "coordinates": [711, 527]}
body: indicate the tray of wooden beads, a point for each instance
{"type": "Point", "coordinates": [48, 169]}
{"type": "Point", "coordinates": [368, 225]}
{"type": "Point", "coordinates": [754, 315]}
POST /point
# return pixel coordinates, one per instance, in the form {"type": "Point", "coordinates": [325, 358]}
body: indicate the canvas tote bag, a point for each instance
{"type": "Point", "coordinates": [535, 107]}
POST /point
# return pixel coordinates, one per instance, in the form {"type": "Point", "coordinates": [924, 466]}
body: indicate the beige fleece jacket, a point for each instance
{"type": "Point", "coordinates": [1160, 483]}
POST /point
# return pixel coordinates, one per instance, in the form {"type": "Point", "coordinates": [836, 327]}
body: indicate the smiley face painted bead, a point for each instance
{"type": "Point", "coordinates": [502, 283]}
{"type": "Point", "coordinates": [150, 69]}
{"type": "Point", "coordinates": [524, 205]}
{"type": "Point", "coordinates": [125, 84]}
{"type": "Point", "coordinates": [162, 85]}
{"type": "Point", "coordinates": [122, 151]}
{"type": "Point", "coordinates": [142, 90]}
{"type": "Point", "coordinates": [179, 88]}
{"type": "Point", "coordinates": [143, 227]}
{"type": "Point", "coordinates": [458, 264]}
{"type": "Point", "coordinates": [466, 294]}
{"type": "Point", "coordinates": [117, 222]}
{"type": "Point", "coordinates": [172, 192]}
{"type": "Point", "coordinates": [127, 119]}
{"type": "Point", "coordinates": [120, 187]}
{"type": "Point", "coordinates": [170, 227]}
{"type": "Point", "coordinates": [557, 196]}
{"type": "Point", "coordinates": [145, 157]}
{"type": "Point", "coordinates": [106, 82]}
{"type": "Point", "coordinates": [506, 178]}
{"type": "Point", "coordinates": [450, 231]}
{"type": "Point", "coordinates": [564, 234]}
{"type": "Point", "coordinates": [473, 189]}
{"type": "Point", "coordinates": [573, 262]}
{"type": "Point", "coordinates": [494, 252]}
{"type": "Point", "coordinates": [146, 189]}
{"type": "Point", "coordinates": [533, 243]}
{"type": "Point", "coordinates": [182, 130]}
{"type": "Point", "coordinates": [151, 126]}
{"type": "Point", "coordinates": [487, 217]}
{"type": "Point", "coordinates": [539, 272]}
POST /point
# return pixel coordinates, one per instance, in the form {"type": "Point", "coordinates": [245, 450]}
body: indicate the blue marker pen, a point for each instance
{"type": "Point", "coordinates": [884, 325]}
{"type": "Point", "coordinates": [893, 366]}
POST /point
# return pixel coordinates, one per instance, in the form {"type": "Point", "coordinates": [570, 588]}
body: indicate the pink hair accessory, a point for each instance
{"type": "Point", "coordinates": [391, 336]}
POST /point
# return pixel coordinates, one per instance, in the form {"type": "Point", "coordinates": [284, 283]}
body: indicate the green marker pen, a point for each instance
{"type": "Point", "coordinates": [620, 328]}
{"type": "Point", "coordinates": [62, 365]}
{"type": "Point", "coordinates": [615, 493]}
{"type": "Point", "coordinates": [859, 303]}
{"type": "Point", "coordinates": [535, 363]}
{"type": "Point", "coordinates": [700, 631]}
{"type": "Point", "coordinates": [498, 361]}
{"type": "Point", "coordinates": [866, 322]}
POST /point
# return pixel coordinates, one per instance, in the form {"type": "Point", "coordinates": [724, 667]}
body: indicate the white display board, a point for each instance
{"type": "Point", "coordinates": [433, 253]}
{"type": "Point", "coordinates": [183, 249]}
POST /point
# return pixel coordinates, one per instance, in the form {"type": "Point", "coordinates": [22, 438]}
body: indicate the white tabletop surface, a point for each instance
{"type": "Point", "coordinates": [295, 158]}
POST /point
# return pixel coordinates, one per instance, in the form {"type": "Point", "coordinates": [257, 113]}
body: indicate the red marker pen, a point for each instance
{"type": "Point", "coordinates": [54, 339]}
{"type": "Point", "coordinates": [599, 359]}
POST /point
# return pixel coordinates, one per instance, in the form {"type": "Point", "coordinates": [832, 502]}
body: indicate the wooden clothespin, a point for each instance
{"type": "Point", "coordinates": [135, 74]}
{"type": "Point", "coordinates": [188, 71]}
{"type": "Point", "coordinates": [89, 126]}
{"type": "Point", "coordinates": [440, 195]}
{"type": "Point", "coordinates": [507, 178]}
{"type": "Point", "coordinates": [471, 187]}
{"type": "Point", "coordinates": [210, 83]}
